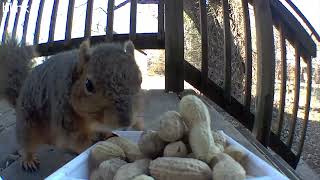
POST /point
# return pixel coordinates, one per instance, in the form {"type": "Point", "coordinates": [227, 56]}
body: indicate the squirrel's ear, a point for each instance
{"type": "Point", "coordinates": [129, 47]}
{"type": "Point", "coordinates": [84, 55]}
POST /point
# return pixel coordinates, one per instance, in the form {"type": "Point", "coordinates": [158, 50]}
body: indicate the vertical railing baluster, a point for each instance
{"type": "Point", "coordinates": [53, 20]}
{"type": "Point", "coordinates": [161, 19]}
{"type": "Point", "coordinates": [227, 51]}
{"type": "Point", "coordinates": [6, 22]}
{"type": "Point", "coordinates": [69, 20]}
{"type": "Point", "coordinates": [307, 106]}
{"type": "Point", "coordinates": [265, 71]}
{"type": "Point", "coordinates": [204, 45]}
{"type": "Point", "coordinates": [296, 95]}
{"type": "Point", "coordinates": [26, 22]}
{"type": "Point", "coordinates": [110, 18]}
{"type": "Point", "coordinates": [38, 22]}
{"type": "Point", "coordinates": [16, 19]}
{"type": "Point", "coordinates": [1, 12]}
{"type": "Point", "coordinates": [174, 46]}
{"type": "Point", "coordinates": [248, 54]}
{"type": "Point", "coordinates": [133, 19]}
{"type": "Point", "coordinates": [88, 22]}
{"type": "Point", "coordinates": [283, 78]}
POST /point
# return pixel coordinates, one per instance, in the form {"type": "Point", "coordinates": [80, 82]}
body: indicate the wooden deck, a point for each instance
{"type": "Point", "coordinates": [156, 102]}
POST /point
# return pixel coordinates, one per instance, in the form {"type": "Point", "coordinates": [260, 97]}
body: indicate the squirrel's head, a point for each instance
{"type": "Point", "coordinates": [107, 82]}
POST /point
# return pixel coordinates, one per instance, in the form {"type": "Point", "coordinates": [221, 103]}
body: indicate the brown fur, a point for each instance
{"type": "Point", "coordinates": [53, 104]}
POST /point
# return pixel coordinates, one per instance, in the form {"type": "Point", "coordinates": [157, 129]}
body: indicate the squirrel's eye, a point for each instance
{"type": "Point", "coordinates": [89, 86]}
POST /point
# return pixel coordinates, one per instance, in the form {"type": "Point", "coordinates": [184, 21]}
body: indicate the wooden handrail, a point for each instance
{"type": "Point", "coordinates": [304, 19]}
{"type": "Point", "coordinates": [294, 30]}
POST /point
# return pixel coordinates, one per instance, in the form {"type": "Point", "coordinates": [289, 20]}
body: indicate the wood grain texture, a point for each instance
{"type": "Point", "coordinates": [227, 50]}
{"type": "Point", "coordinates": [283, 79]}
{"type": "Point", "coordinates": [307, 107]}
{"type": "Point", "coordinates": [265, 70]}
{"type": "Point", "coordinates": [248, 54]}
{"type": "Point", "coordinates": [296, 95]}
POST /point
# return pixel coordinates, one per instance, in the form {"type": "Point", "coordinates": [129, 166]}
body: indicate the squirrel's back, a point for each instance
{"type": "Point", "coordinates": [48, 86]}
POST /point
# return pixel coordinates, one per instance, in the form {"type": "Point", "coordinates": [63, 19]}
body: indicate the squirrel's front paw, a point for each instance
{"type": "Point", "coordinates": [30, 162]}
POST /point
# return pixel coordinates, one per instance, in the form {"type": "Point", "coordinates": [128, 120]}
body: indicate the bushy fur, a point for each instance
{"type": "Point", "coordinates": [52, 100]}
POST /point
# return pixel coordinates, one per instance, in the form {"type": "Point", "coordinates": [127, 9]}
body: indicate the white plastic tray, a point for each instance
{"type": "Point", "coordinates": [77, 169]}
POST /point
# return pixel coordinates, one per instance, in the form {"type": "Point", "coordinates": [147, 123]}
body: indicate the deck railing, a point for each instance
{"type": "Point", "coordinates": [170, 36]}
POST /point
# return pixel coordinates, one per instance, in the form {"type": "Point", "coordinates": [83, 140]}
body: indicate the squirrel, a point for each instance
{"type": "Point", "coordinates": [73, 99]}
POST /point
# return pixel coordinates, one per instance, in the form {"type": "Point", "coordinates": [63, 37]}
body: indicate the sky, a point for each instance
{"type": "Point", "coordinates": [146, 18]}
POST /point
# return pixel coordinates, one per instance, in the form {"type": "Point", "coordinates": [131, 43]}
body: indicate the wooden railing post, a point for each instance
{"type": "Point", "coordinates": [227, 51]}
{"type": "Point", "coordinates": [110, 20]}
{"type": "Point", "coordinates": [296, 95]}
{"type": "Point", "coordinates": [26, 23]}
{"type": "Point", "coordinates": [307, 106]}
{"type": "Point", "coordinates": [53, 20]}
{"type": "Point", "coordinates": [1, 11]}
{"type": "Point", "coordinates": [161, 19]}
{"type": "Point", "coordinates": [16, 18]}
{"type": "Point", "coordinates": [38, 22]}
{"type": "Point", "coordinates": [204, 45]}
{"type": "Point", "coordinates": [248, 54]}
{"type": "Point", "coordinates": [69, 19]}
{"type": "Point", "coordinates": [6, 22]}
{"type": "Point", "coordinates": [265, 70]}
{"type": "Point", "coordinates": [174, 46]}
{"type": "Point", "coordinates": [133, 19]}
{"type": "Point", "coordinates": [88, 24]}
{"type": "Point", "coordinates": [283, 88]}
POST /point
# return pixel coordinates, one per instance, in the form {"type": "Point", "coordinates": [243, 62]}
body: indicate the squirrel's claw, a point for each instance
{"type": "Point", "coordinates": [30, 165]}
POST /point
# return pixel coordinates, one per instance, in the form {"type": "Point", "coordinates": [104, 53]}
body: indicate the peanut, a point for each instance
{"type": "Point", "coordinates": [131, 150]}
{"type": "Point", "coordinates": [219, 138]}
{"type": "Point", "coordinates": [193, 110]}
{"type": "Point", "coordinates": [197, 118]}
{"type": "Point", "coordinates": [227, 168]}
{"type": "Point", "coordinates": [202, 143]}
{"type": "Point", "coordinates": [150, 144]}
{"type": "Point", "coordinates": [131, 170]}
{"type": "Point", "coordinates": [175, 149]}
{"type": "Point", "coordinates": [109, 168]}
{"type": "Point", "coordinates": [103, 151]}
{"type": "Point", "coordinates": [167, 168]}
{"type": "Point", "coordinates": [171, 127]}
{"type": "Point", "coordinates": [143, 177]}
{"type": "Point", "coordinates": [235, 152]}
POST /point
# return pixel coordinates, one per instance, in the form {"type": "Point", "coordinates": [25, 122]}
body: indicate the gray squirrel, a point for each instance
{"type": "Point", "coordinates": [73, 99]}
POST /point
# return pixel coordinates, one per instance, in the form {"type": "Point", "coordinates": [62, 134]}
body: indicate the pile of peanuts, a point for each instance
{"type": "Point", "coordinates": [184, 148]}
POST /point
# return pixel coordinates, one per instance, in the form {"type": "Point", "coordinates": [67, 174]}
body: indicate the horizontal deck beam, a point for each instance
{"type": "Point", "coordinates": [142, 41]}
